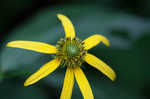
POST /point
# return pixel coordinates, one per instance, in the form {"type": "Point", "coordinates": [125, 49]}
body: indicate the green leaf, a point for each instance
{"type": "Point", "coordinates": [14, 89]}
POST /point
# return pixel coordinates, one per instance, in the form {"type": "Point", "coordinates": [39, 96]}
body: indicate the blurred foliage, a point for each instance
{"type": "Point", "coordinates": [128, 54]}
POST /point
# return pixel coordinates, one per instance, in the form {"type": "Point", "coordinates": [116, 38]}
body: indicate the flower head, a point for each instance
{"type": "Point", "coordinates": [70, 52]}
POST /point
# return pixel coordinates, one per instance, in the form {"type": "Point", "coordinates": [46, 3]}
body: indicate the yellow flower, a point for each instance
{"type": "Point", "coordinates": [71, 53]}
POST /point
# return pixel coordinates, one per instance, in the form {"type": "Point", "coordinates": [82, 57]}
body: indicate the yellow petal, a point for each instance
{"type": "Point", "coordinates": [100, 65]}
{"type": "Point", "coordinates": [68, 84]}
{"type": "Point", "coordinates": [83, 84]}
{"type": "Point", "coordinates": [34, 46]}
{"type": "Point", "coordinates": [94, 40]}
{"type": "Point", "coordinates": [42, 72]}
{"type": "Point", "coordinates": [68, 26]}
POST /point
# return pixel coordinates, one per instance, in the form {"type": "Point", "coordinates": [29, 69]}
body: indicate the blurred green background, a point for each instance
{"type": "Point", "coordinates": [126, 23]}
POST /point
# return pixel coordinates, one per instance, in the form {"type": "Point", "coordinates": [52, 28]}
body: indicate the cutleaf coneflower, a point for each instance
{"type": "Point", "coordinates": [70, 52]}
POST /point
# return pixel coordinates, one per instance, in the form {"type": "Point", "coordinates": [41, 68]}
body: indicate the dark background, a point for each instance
{"type": "Point", "coordinates": [126, 23]}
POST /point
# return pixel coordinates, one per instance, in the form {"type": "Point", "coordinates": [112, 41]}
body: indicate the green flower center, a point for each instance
{"type": "Point", "coordinates": [71, 52]}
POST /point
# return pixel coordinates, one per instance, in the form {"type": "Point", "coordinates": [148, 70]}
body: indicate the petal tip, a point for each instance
{"type": "Point", "coordinates": [113, 78]}
{"type": "Point", "coordinates": [12, 43]}
{"type": "Point", "coordinates": [59, 15]}
{"type": "Point", "coordinates": [104, 40]}
{"type": "Point", "coordinates": [107, 44]}
{"type": "Point", "coordinates": [8, 44]}
{"type": "Point", "coordinates": [26, 84]}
